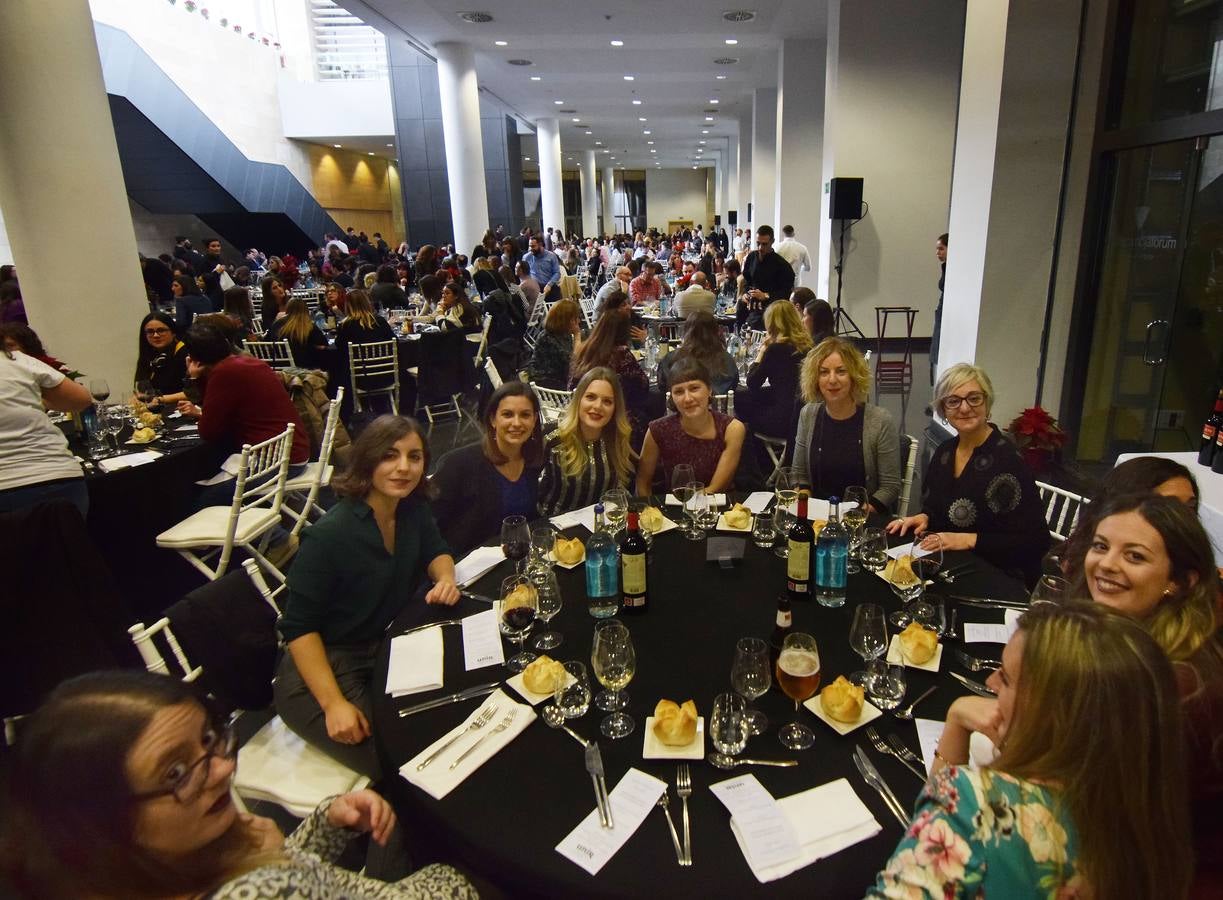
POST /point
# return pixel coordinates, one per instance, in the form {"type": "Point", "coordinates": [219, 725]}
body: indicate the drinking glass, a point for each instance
{"type": "Point", "coordinates": [547, 604]}
{"type": "Point", "coordinates": [854, 520]}
{"type": "Point", "coordinates": [752, 676]}
{"type": "Point", "coordinates": [763, 531]}
{"type": "Point", "coordinates": [115, 419]}
{"type": "Point", "coordinates": [926, 568]}
{"type": "Point", "coordinates": [516, 620]}
{"type": "Point", "coordinates": [682, 476]}
{"type": "Point", "coordinates": [1050, 589]}
{"type": "Point", "coordinates": [885, 684]}
{"type": "Point", "coordinates": [708, 517]}
{"type": "Point", "coordinates": [868, 636]}
{"type": "Point", "coordinates": [698, 509]}
{"type": "Point", "coordinates": [873, 549]}
{"type": "Point", "coordinates": [572, 695]}
{"type": "Point", "coordinates": [145, 391]}
{"type": "Point", "coordinates": [782, 519]}
{"type": "Point", "coordinates": [639, 506]}
{"type": "Point", "coordinates": [614, 663]}
{"type": "Point", "coordinates": [728, 725]}
{"type": "Point", "coordinates": [543, 539]}
{"type": "Point", "coordinates": [99, 389]}
{"type": "Point", "coordinates": [798, 676]}
{"type": "Point", "coordinates": [936, 618]}
{"type": "Point", "coordinates": [515, 540]}
{"type": "Point", "coordinates": [615, 510]}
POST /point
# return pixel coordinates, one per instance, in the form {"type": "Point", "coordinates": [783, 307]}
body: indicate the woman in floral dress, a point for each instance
{"type": "Point", "coordinates": [1086, 798]}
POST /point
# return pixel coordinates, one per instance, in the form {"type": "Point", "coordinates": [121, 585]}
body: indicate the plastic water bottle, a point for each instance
{"type": "Point", "coordinates": [651, 349]}
{"type": "Point", "coordinates": [602, 570]}
{"type": "Point", "coordinates": [831, 558]}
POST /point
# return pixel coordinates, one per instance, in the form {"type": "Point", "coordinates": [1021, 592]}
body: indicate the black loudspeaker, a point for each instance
{"type": "Point", "coordinates": [845, 198]}
{"type": "Point", "coordinates": [717, 220]}
{"type": "Point", "coordinates": [732, 217]}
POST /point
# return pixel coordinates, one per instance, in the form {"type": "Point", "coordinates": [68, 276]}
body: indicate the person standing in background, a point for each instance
{"type": "Point", "coordinates": [793, 252]}
{"type": "Point", "coordinates": [940, 253]}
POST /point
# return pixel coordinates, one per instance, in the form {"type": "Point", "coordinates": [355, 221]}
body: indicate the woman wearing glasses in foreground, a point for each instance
{"type": "Point", "coordinates": [977, 494]}
{"type": "Point", "coordinates": [120, 788]}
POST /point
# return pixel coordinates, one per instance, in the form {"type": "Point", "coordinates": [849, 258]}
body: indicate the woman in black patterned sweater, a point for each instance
{"type": "Point", "coordinates": [977, 493]}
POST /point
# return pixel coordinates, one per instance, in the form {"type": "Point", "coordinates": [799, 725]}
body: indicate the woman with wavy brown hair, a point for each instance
{"type": "Point", "coordinates": [608, 345]}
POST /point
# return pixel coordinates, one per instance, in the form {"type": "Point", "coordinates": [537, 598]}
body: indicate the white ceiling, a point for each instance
{"type": "Point", "coordinates": [669, 50]}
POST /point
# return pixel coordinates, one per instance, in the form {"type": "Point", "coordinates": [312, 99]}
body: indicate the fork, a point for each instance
{"type": "Point", "coordinates": [683, 787]}
{"type": "Point", "coordinates": [883, 747]}
{"type": "Point", "coordinates": [906, 754]}
{"type": "Point", "coordinates": [501, 726]}
{"type": "Point", "coordinates": [480, 721]}
{"type": "Point", "coordinates": [976, 665]}
{"type": "Point", "coordinates": [665, 802]}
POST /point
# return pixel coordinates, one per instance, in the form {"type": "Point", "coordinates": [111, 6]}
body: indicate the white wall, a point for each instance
{"type": "Point", "coordinates": [6, 250]}
{"type": "Point", "coordinates": [312, 109]}
{"type": "Point", "coordinates": [677, 194]}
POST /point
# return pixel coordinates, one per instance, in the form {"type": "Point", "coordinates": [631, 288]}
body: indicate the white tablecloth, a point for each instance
{"type": "Point", "coordinates": [1210, 491]}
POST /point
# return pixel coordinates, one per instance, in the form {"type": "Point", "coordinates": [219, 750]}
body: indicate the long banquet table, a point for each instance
{"type": "Point", "coordinates": [506, 818]}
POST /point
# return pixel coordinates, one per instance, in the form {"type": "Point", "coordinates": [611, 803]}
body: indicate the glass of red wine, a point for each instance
{"type": "Point", "coordinates": [515, 540]}
{"type": "Point", "coordinates": [516, 610]}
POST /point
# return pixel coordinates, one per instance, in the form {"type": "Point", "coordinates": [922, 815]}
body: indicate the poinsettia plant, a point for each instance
{"type": "Point", "coordinates": [1034, 428]}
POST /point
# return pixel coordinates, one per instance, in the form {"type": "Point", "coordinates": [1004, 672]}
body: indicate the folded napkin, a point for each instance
{"type": "Point", "coordinates": [416, 663]}
{"type": "Point", "coordinates": [472, 566]}
{"type": "Point", "coordinates": [672, 500]}
{"type": "Point", "coordinates": [127, 460]}
{"type": "Point", "coordinates": [438, 779]}
{"type": "Point", "coordinates": [825, 819]}
{"type": "Point", "coordinates": [584, 516]}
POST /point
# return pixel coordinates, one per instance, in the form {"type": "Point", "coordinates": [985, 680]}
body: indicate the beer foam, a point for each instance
{"type": "Point", "coordinates": [799, 663]}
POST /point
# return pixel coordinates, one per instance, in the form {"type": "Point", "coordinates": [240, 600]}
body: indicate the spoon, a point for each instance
{"type": "Point", "coordinates": [556, 719]}
{"type": "Point", "coordinates": [907, 712]}
{"type": "Point", "coordinates": [722, 761]}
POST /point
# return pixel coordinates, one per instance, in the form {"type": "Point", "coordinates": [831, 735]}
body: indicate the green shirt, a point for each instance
{"type": "Point", "coordinates": [344, 585]}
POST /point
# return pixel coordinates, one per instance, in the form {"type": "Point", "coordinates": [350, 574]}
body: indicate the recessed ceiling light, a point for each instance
{"type": "Point", "coordinates": [642, 119]}
{"type": "Point", "coordinates": [704, 131]}
{"type": "Point", "coordinates": [720, 77]}
{"type": "Point", "coordinates": [502, 43]}
{"type": "Point", "coordinates": [605, 150]}
{"type": "Point", "coordinates": [590, 132]}
{"type": "Point", "coordinates": [730, 42]}
{"type": "Point", "coordinates": [652, 150]}
{"type": "Point", "coordinates": [646, 131]}
{"type": "Point", "coordinates": [694, 168]}
{"type": "Point", "coordinates": [617, 43]}
{"type": "Point", "coordinates": [714, 100]}
{"type": "Point", "coordinates": [559, 102]}
{"type": "Point", "coordinates": [370, 153]}
{"type": "Point", "coordinates": [598, 143]}
{"type": "Point", "coordinates": [628, 77]}
{"type": "Point", "coordinates": [390, 145]}
{"type": "Point", "coordinates": [338, 146]}
{"type": "Point", "coordinates": [649, 142]}
{"type": "Point", "coordinates": [576, 119]}
{"type": "Point", "coordinates": [613, 157]}
{"type": "Point", "coordinates": [709, 118]}
{"type": "Point", "coordinates": [537, 78]}
{"type": "Point", "coordinates": [700, 142]}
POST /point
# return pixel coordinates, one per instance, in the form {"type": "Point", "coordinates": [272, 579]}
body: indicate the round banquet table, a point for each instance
{"type": "Point", "coordinates": [504, 821]}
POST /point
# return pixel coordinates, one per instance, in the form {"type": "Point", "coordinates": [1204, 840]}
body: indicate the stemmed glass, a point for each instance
{"type": "Point", "coordinates": [516, 615]}
{"type": "Point", "coordinates": [681, 477]}
{"type": "Point", "coordinates": [543, 539]}
{"type": "Point", "coordinates": [515, 539]}
{"type": "Point", "coordinates": [698, 508]}
{"type": "Point", "coordinates": [145, 391]}
{"type": "Point", "coordinates": [798, 675]}
{"type": "Point", "coordinates": [572, 694]}
{"type": "Point", "coordinates": [854, 519]}
{"type": "Point", "coordinates": [926, 567]}
{"type": "Point", "coordinates": [614, 663]}
{"type": "Point", "coordinates": [885, 683]}
{"type": "Point", "coordinates": [615, 509]}
{"type": "Point", "coordinates": [783, 518]}
{"type": "Point", "coordinates": [639, 506]}
{"type": "Point", "coordinates": [708, 516]}
{"type": "Point", "coordinates": [873, 549]}
{"type": "Point", "coordinates": [728, 724]}
{"type": "Point", "coordinates": [752, 676]}
{"type": "Point", "coordinates": [113, 419]}
{"type": "Point", "coordinates": [548, 603]}
{"type": "Point", "coordinates": [99, 389]}
{"type": "Point", "coordinates": [785, 499]}
{"type": "Point", "coordinates": [764, 533]}
{"type": "Point", "coordinates": [1050, 589]}
{"type": "Point", "coordinates": [868, 636]}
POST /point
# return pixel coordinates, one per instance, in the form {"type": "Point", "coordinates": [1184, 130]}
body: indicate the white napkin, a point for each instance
{"type": "Point", "coordinates": [127, 460]}
{"type": "Point", "coordinates": [719, 499]}
{"type": "Point", "coordinates": [826, 819]}
{"type": "Point", "coordinates": [438, 779]}
{"type": "Point", "coordinates": [472, 566]}
{"type": "Point", "coordinates": [584, 516]}
{"type": "Point", "coordinates": [416, 663]}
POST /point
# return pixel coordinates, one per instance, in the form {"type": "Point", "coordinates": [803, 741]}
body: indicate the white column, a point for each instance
{"type": "Point", "coordinates": [828, 170]}
{"type": "Point", "coordinates": [800, 113]}
{"type": "Point", "coordinates": [460, 98]}
{"type": "Point", "coordinates": [745, 166]}
{"type": "Point", "coordinates": [552, 199]}
{"type": "Point", "coordinates": [590, 200]}
{"type": "Point", "coordinates": [764, 158]}
{"type": "Point", "coordinates": [60, 191]}
{"type": "Point", "coordinates": [609, 200]}
{"type": "Point", "coordinates": [732, 179]}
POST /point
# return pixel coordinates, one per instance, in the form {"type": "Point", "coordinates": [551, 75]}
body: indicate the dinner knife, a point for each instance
{"type": "Point", "coordinates": [417, 628]}
{"type": "Point", "coordinates": [975, 686]}
{"type": "Point", "coordinates": [469, 693]}
{"type": "Point", "coordinates": [868, 771]}
{"type": "Point", "coordinates": [990, 602]}
{"type": "Point", "coordinates": [594, 765]}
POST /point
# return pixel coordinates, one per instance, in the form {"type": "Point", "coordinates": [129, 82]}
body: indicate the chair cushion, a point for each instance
{"type": "Point", "coordinates": [278, 766]}
{"type": "Point", "coordinates": [305, 480]}
{"type": "Point", "coordinates": [208, 526]}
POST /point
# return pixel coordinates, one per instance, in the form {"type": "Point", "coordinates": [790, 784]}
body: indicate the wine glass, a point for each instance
{"type": "Point", "coordinates": [885, 683]}
{"type": "Point", "coordinates": [854, 519]}
{"type": "Point", "coordinates": [639, 505]}
{"type": "Point", "coordinates": [926, 567]}
{"type": "Point", "coordinates": [783, 517]}
{"type": "Point", "coordinates": [868, 636]}
{"type": "Point", "coordinates": [145, 391]}
{"type": "Point", "coordinates": [708, 517]}
{"type": "Point", "coordinates": [1050, 589]}
{"type": "Point", "coordinates": [516, 615]}
{"type": "Point", "coordinates": [698, 509]}
{"type": "Point", "coordinates": [543, 539]}
{"type": "Point", "coordinates": [763, 531]}
{"type": "Point", "coordinates": [572, 694]}
{"type": "Point", "coordinates": [547, 604]}
{"type": "Point", "coordinates": [614, 663]}
{"type": "Point", "coordinates": [99, 389]}
{"type": "Point", "coordinates": [752, 676]}
{"type": "Point", "coordinates": [515, 539]}
{"type": "Point", "coordinates": [905, 585]}
{"type": "Point", "coordinates": [728, 724]}
{"type": "Point", "coordinates": [798, 676]}
{"type": "Point", "coordinates": [615, 509]}
{"type": "Point", "coordinates": [682, 476]}
{"type": "Point", "coordinates": [113, 419]}
{"type": "Point", "coordinates": [873, 549]}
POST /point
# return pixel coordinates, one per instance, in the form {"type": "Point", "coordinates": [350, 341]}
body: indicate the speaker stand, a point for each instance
{"type": "Point", "coordinates": [842, 322]}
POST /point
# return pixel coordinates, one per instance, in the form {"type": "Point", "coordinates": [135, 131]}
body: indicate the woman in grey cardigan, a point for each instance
{"type": "Point", "coordinates": [842, 440]}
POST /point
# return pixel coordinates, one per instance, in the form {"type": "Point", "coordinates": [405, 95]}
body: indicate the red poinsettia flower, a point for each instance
{"type": "Point", "coordinates": [1034, 427]}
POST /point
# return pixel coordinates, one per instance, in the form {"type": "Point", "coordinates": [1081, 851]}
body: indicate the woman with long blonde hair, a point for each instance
{"type": "Point", "coordinates": [768, 405]}
{"type": "Point", "coordinates": [305, 340]}
{"type": "Point", "coordinates": [1087, 796]}
{"type": "Point", "coordinates": [588, 451]}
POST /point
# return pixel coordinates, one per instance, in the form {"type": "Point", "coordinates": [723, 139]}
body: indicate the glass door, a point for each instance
{"type": "Point", "coordinates": [1156, 357]}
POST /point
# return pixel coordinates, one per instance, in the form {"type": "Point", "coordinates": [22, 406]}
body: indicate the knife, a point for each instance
{"type": "Point", "coordinates": [594, 765]}
{"type": "Point", "coordinates": [976, 687]}
{"type": "Point", "coordinates": [469, 693]}
{"type": "Point", "coordinates": [990, 602]}
{"type": "Point", "coordinates": [868, 771]}
{"type": "Point", "coordinates": [417, 628]}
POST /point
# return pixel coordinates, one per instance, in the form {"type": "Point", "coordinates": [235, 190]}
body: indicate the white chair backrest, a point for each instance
{"type": "Point", "coordinates": [552, 402]}
{"type": "Point", "coordinates": [277, 354]}
{"type": "Point", "coordinates": [257, 325]}
{"type": "Point", "coordinates": [377, 359]}
{"type": "Point", "coordinates": [588, 310]}
{"type": "Point", "coordinates": [906, 484]}
{"type": "Point", "coordinates": [494, 377]}
{"type": "Point", "coordinates": [483, 348]}
{"type": "Point", "coordinates": [1061, 508]}
{"type": "Point", "coordinates": [329, 429]}
{"type": "Point", "coordinates": [151, 656]}
{"type": "Point", "coordinates": [260, 464]}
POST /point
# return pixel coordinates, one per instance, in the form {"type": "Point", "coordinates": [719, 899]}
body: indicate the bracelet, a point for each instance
{"type": "Point", "coordinates": [945, 760]}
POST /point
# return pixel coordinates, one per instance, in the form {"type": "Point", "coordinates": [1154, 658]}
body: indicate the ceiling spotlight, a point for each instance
{"type": "Point", "coordinates": [605, 150]}
{"type": "Point", "coordinates": [338, 146]}
{"type": "Point", "coordinates": [694, 168]}
{"type": "Point", "coordinates": [537, 78]}
{"type": "Point", "coordinates": [709, 118]}
{"type": "Point", "coordinates": [730, 42]}
{"type": "Point", "coordinates": [502, 43]}
{"type": "Point", "coordinates": [628, 77]}
{"type": "Point", "coordinates": [704, 131]}
{"type": "Point", "coordinates": [390, 145]}
{"type": "Point", "coordinates": [526, 159]}
{"type": "Point", "coordinates": [649, 142]}
{"type": "Point", "coordinates": [370, 153]}
{"type": "Point", "coordinates": [636, 103]}
{"type": "Point", "coordinates": [652, 150]}
{"type": "Point", "coordinates": [598, 143]}
{"type": "Point", "coordinates": [720, 77]}
{"type": "Point", "coordinates": [576, 119]}
{"type": "Point", "coordinates": [642, 119]}
{"type": "Point", "coordinates": [613, 157]}
{"type": "Point", "coordinates": [559, 102]}
{"type": "Point", "coordinates": [590, 132]}
{"type": "Point", "coordinates": [700, 142]}
{"type": "Point", "coordinates": [646, 131]}
{"type": "Point", "coordinates": [617, 43]}
{"type": "Point", "coordinates": [714, 100]}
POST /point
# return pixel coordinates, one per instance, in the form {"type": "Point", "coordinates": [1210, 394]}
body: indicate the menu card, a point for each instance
{"type": "Point", "coordinates": [584, 516]}
{"type": "Point", "coordinates": [590, 845]}
{"type": "Point", "coordinates": [993, 633]}
{"type": "Point", "coordinates": [476, 563]}
{"type": "Point", "coordinates": [482, 641]}
{"type": "Point", "coordinates": [929, 731]}
{"type": "Point", "coordinates": [127, 460]}
{"type": "Point", "coordinates": [768, 838]}
{"type": "Point", "coordinates": [757, 501]}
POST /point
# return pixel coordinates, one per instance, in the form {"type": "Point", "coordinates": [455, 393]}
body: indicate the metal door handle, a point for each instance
{"type": "Point", "coordinates": [1146, 345]}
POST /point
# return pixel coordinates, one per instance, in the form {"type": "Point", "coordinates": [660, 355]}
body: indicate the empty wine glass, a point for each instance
{"type": "Point", "coordinates": [572, 695]}
{"type": "Point", "coordinates": [698, 508]}
{"type": "Point", "coordinates": [615, 509]}
{"type": "Point", "coordinates": [543, 539]}
{"type": "Point", "coordinates": [885, 683]}
{"type": "Point", "coordinates": [873, 549]}
{"type": "Point", "coordinates": [681, 477]}
{"type": "Point", "coordinates": [547, 604]}
{"type": "Point", "coordinates": [783, 518]}
{"type": "Point", "coordinates": [515, 616]}
{"type": "Point", "coordinates": [763, 531]}
{"type": "Point", "coordinates": [728, 724]}
{"type": "Point", "coordinates": [926, 567]}
{"type": "Point", "coordinates": [868, 636]}
{"type": "Point", "coordinates": [798, 676]}
{"type": "Point", "coordinates": [708, 518]}
{"type": "Point", "coordinates": [639, 506]}
{"type": "Point", "coordinates": [752, 676]}
{"type": "Point", "coordinates": [614, 662]}
{"type": "Point", "coordinates": [853, 517]}
{"type": "Point", "coordinates": [515, 539]}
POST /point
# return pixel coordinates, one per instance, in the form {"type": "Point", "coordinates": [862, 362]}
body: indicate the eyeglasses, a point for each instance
{"type": "Point", "coordinates": [973, 400]}
{"type": "Point", "coordinates": [153, 332]}
{"type": "Point", "coordinates": [188, 785]}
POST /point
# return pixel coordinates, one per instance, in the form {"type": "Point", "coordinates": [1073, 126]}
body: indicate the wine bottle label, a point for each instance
{"type": "Point", "coordinates": [784, 618]}
{"type": "Point", "coordinates": [798, 566]}
{"type": "Point", "coordinates": [634, 573]}
{"type": "Point", "coordinates": [1208, 432]}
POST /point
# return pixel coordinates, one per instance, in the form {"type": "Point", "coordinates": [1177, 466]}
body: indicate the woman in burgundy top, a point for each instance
{"type": "Point", "coordinates": [707, 440]}
{"type": "Point", "coordinates": [608, 346]}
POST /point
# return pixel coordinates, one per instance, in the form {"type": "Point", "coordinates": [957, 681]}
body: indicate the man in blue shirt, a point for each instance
{"type": "Point", "coordinates": [545, 269]}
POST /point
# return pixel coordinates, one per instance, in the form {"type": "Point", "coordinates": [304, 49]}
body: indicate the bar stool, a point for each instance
{"type": "Point", "coordinates": [894, 375]}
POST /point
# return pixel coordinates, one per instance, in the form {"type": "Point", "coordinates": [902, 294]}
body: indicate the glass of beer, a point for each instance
{"type": "Point", "coordinates": [798, 675]}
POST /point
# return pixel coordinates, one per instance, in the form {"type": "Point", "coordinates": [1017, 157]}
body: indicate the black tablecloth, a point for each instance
{"type": "Point", "coordinates": [506, 818]}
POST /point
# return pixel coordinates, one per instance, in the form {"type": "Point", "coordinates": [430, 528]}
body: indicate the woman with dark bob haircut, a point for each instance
{"type": "Point", "coordinates": [358, 568]}
{"type": "Point", "coordinates": [120, 788]}
{"type": "Point", "coordinates": [480, 484]}
{"type": "Point", "coordinates": [162, 358]}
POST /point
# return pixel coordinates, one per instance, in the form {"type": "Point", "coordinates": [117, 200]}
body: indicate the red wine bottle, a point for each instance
{"type": "Point", "coordinates": [633, 558]}
{"type": "Point", "coordinates": [798, 564]}
{"type": "Point", "coordinates": [1210, 433]}
{"type": "Point", "coordinates": [784, 622]}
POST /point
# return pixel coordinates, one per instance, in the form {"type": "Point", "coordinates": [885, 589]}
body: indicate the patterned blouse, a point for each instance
{"type": "Point", "coordinates": [550, 361]}
{"type": "Point", "coordinates": [309, 873]}
{"type": "Point", "coordinates": [559, 492]}
{"type": "Point", "coordinates": [981, 833]}
{"type": "Point", "coordinates": [676, 446]}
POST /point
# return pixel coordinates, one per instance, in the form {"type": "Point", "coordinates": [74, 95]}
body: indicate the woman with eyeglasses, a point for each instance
{"type": "Point", "coordinates": [977, 494]}
{"type": "Point", "coordinates": [120, 788]}
{"type": "Point", "coordinates": [161, 359]}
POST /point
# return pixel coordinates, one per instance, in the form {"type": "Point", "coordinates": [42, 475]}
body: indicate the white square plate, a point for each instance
{"type": "Point", "coordinates": [895, 657]}
{"type": "Point", "coordinates": [556, 562]}
{"type": "Point", "coordinates": [656, 749]}
{"type": "Point", "coordinates": [530, 696]}
{"type": "Point", "coordinates": [870, 713]}
{"type": "Point", "coordinates": [723, 525]}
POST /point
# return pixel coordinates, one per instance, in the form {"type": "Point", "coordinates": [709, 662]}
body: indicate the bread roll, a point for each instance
{"type": "Point", "coordinates": [651, 519]}
{"type": "Point", "coordinates": [918, 644]}
{"type": "Point", "coordinates": [900, 571]}
{"type": "Point", "coordinates": [739, 516]}
{"type": "Point", "coordinates": [543, 675]}
{"type": "Point", "coordinates": [522, 595]}
{"type": "Point", "coordinates": [144, 435]}
{"type": "Point", "coordinates": [675, 725]}
{"type": "Point", "coordinates": [569, 550]}
{"type": "Point", "coordinates": [842, 700]}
